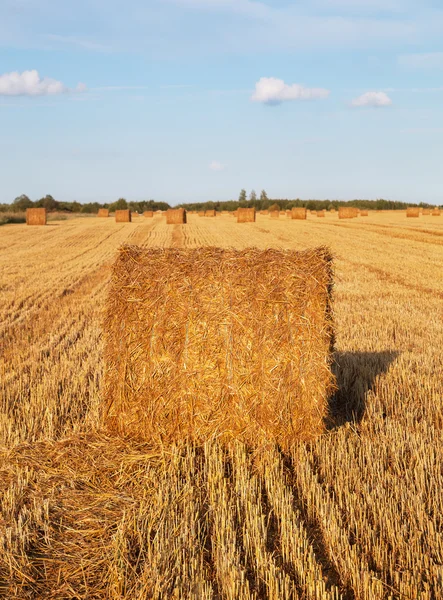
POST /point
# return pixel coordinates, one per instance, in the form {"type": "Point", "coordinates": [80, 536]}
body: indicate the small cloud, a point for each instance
{"type": "Point", "coordinates": [270, 90]}
{"type": "Point", "coordinates": [430, 60]}
{"type": "Point", "coordinates": [29, 83]}
{"type": "Point", "coordinates": [372, 99]}
{"type": "Point", "coordinates": [215, 165]}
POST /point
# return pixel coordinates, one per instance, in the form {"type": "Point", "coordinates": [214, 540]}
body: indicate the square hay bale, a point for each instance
{"type": "Point", "coordinates": [412, 212]}
{"type": "Point", "coordinates": [212, 342]}
{"type": "Point", "coordinates": [264, 212]}
{"type": "Point", "coordinates": [321, 213]}
{"type": "Point", "coordinates": [347, 212]}
{"type": "Point", "coordinates": [246, 215]}
{"type": "Point", "coordinates": [364, 213]}
{"type": "Point", "coordinates": [36, 216]}
{"type": "Point", "coordinates": [298, 213]}
{"type": "Point", "coordinates": [426, 211]}
{"type": "Point", "coordinates": [435, 212]}
{"type": "Point", "coordinates": [103, 212]}
{"type": "Point", "coordinates": [274, 214]}
{"type": "Point", "coordinates": [175, 216]}
{"type": "Point", "coordinates": [201, 213]}
{"type": "Point", "coordinates": [148, 214]}
{"type": "Point", "coordinates": [210, 213]}
{"type": "Point", "coordinates": [123, 216]}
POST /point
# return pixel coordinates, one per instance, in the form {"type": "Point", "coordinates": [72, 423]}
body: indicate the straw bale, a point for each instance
{"type": "Point", "coordinates": [426, 211]}
{"type": "Point", "coordinates": [123, 216]}
{"type": "Point", "coordinates": [364, 213]}
{"type": "Point", "coordinates": [347, 212]}
{"type": "Point", "coordinates": [36, 216]}
{"type": "Point", "coordinates": [264, 212]}
{"type": "Point", "coordinates": [275, 214]}
{"type": "Point", "coordinates": [201, 213]}
{"type": "Point", "coordinates": [412, 212]}
{"type": "Point", "coordinates": [298, 213]}
{"type": "Point", "coordinates": [321, 213]}
{"type": "Point", "coordinates": [148, 213]}
{"type": "Point", "coordinates": [175, 216]}
{"type": "Point", "coordinates": [103, 212]}
{"type": "Point", "coordinates": [210, 213]}
{"type": "Point", "coordinates": [332, 210]}
{"type": "Point", "coordinates": [211, 342]}
{"type": "Point", "coordinates": [245, 215]}
{"type": "Point", "coordinates": [435, 212]}
{"type": "Point", "coordinates": [273, 207]}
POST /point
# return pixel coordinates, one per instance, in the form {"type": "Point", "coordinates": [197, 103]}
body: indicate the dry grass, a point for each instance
{"type": "Point", "coordinates": [355, 515]}
{"type": "Point", "coordinates": [36, 216]}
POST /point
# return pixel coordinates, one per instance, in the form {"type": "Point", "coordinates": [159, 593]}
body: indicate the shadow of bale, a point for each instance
{"type": "Point", "coordinates": [356, 374]}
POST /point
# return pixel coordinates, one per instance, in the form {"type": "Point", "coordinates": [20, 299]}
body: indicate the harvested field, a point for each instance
{"type": "Point", "coordinates": [354, 515]}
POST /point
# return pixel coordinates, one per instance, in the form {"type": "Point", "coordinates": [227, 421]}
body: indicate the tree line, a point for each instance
{"type": "Point", "coordinates": [262, 202]}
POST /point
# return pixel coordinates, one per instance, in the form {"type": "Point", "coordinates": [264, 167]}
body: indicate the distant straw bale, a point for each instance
{"type": "Point", "coordinates": [426, 211]}
{"type": "Point", "coordinates": [364, 213]}
{"type": "Point", "coordinates": [435, 212]}
{"type": "Point", "coordinates": [226, 343]}
{"type": "Point", "coordinates": [245, 215]}
{"type": "Point", "coordinates": [103, 212]}
{"type": "Point", "coordinates": [123, 216]}
{"type": "Point", "coordinates": [175, 216]}
{"type": "Point", "coordinates": [412, 212]}
{"type": "Point", "coordinates": [36, 216]}
{"type": "Point", "coordinates": [210, 213]}
{"type": "Point", "coordinates": [321, 213]}
{"type": "Point", "coordinates": [148, 214]}
{"type": "Point", "coordinates": [347, 212]}
{"type": "Point", "coordinates": [274, 214]}
{"type": "Point", "coordinates": [201, 213]}
{"type": "Point", "coordinates": [274, 206]}
{"type": "Point", "coordinates": [298, 213]}
{"type": "Point", "coordinates": [264, 212]}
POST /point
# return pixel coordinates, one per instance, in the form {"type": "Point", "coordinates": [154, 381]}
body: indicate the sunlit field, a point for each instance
{"type": "Point", "coordinates": [357, 514]}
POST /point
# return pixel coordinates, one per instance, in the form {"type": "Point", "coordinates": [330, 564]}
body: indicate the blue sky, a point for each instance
{"type": "Point", "coordinates": [189, 100]}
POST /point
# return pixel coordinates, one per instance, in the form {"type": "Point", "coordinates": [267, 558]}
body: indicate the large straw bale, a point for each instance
{"type": "Point", "coordinates": [123, 216]}
{"type": "Point", "coordinates": [103, 212]}
{"type": "Point", "coordinates": [210, 213]}
{"type": "Point", "coordinates": [211, 342]}
{"type": "Point", "coordinates": [148, 214]}
{"type": "Point", "coordinates": [426, 211]}
{"type": "Point", "coordinates": [435, 212]}
{"type": "Point", "coordinates": [298, 213]}
{"type": "Point", "coordinates": [364, 213]}
{"type": "Point", "coordinates": [412, 212]}
{"type": "Point", "coordinates": [347, 212]}
{"type": "Point", "coordinates": [175, 216]}
{"type": "Point", "coordinates": [274, 214]}
{"type": "Point", "coordinates": [36, 216]}
{"type": "Point", "coordinates": [245, 215]}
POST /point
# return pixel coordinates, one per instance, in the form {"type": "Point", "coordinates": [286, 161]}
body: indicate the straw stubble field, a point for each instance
{"type": "Point", "coordinates": [354, 515]}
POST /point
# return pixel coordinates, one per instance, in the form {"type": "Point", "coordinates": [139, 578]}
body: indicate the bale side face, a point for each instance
{"type": "Point", "coordinates": [347, 212]}
{"type": "Point", "coordinates": [148, 214]}
{"type": "Point", "coordinates": [246, 215]}
{"type": "Point", "coordinates": [298, 213]}
{"type": "Point", "coordinates": [426, 211]}
{"type": "Point", "coordinates": [201, 213]}
{"type": "Point", "coordinates": [210, 342]}
{"type": "Point", "coordinates": [103, 212]}
{"type": "Point", "coordinates": [210, 213]}
{"type": "Point", "coordinates": [364, 213]}
{"type": "Point", "coordinates": [321, 213]}
{"type": "Point", "coordinates": [36, 216]}
{"type": "Point", "coordinates": [175, 216]}
{"type": "Point", "coordinates": [123, 216]}
{"type": "Point", "coordinates": [412, 212]}
{"type": "Point", "coordinates": [275, 214]}
{"type": "Point", "coordinates": [435, 212]}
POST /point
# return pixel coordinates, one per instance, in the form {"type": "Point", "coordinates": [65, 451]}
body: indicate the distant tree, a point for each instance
{"type": "Point", "coordinates": [21, 203]}
{"type": "Point", "coordinates": [47, 202]}
{"type": "Point", "coordinates": [121, 204]}
{"type": "Point", "coordinates": [252, 196]}
{"type": "Point", "coordinates": [263, 196]}
{"type": "Point", "coordinates": [242, 196]}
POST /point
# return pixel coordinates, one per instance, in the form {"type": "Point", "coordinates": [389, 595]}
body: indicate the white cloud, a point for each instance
{"type": "Point", "coordinates": [430, 60]}
{"type": "Point", "coordinates": [215, 165]}
{"type": "Point", "coordinates": [29, 83]}
{"type": "Point", "coordinates": [270, 90]}
{"type": "Point", "coordinates": [372, 99]}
